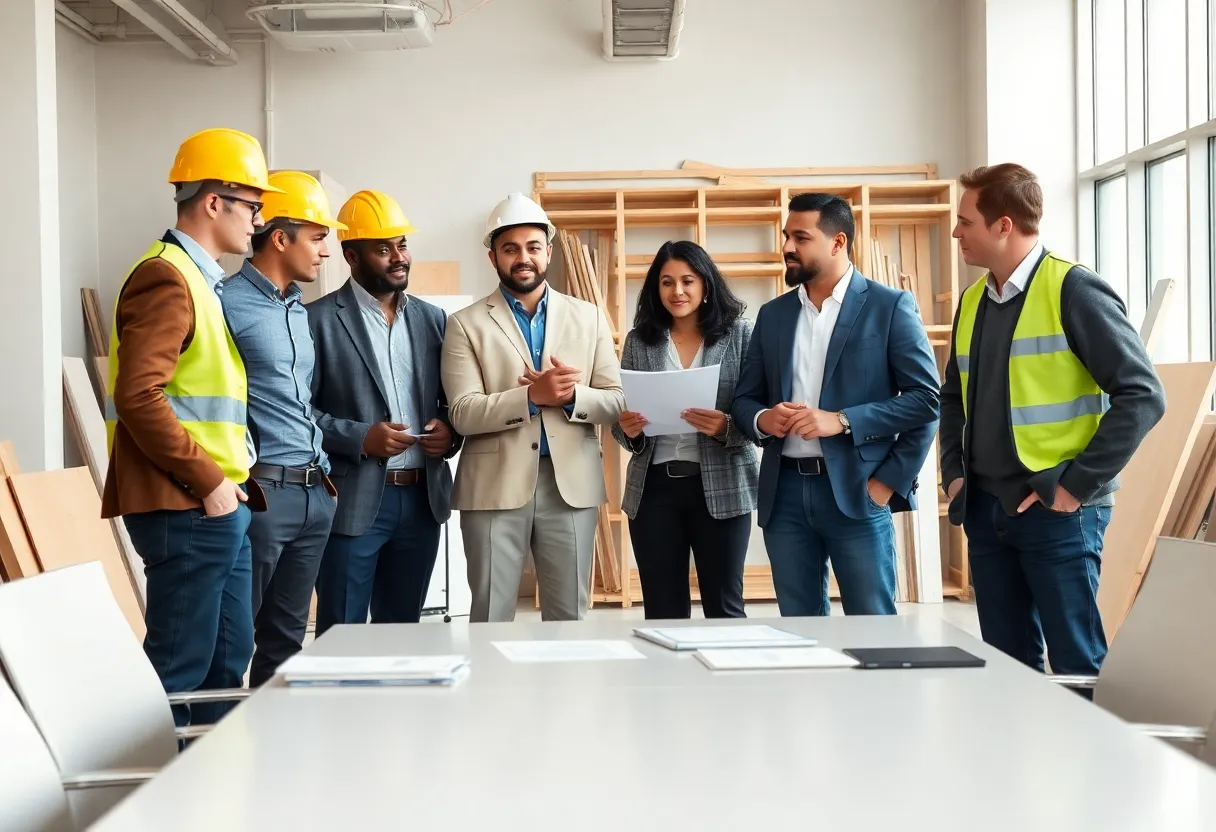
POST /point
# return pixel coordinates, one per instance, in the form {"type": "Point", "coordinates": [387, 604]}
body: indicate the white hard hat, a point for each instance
{"type": "Point", "coordinates": [517, 209]}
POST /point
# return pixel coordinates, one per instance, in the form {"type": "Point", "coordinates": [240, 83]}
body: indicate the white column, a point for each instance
{"type": "Point", "coordinates": [31, 387]}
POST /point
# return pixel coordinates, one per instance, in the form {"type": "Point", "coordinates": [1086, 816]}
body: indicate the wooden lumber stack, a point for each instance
{"type": "Point", "coordinates": [583, 282]}
{"type": "Point", "coordinates": [1193, 499]}
{"type": "Point", "coordinates": [98, 360]}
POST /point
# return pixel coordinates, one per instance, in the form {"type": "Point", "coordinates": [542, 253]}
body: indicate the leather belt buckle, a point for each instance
{"type": "Point", "coordinates": [313, 475]}
{"type": "Point", "coordinates": [679, 469]}
{"type": "Point", "coordinates": [402, 477]}
{"type": "Point", "coordinates": [807, 466]}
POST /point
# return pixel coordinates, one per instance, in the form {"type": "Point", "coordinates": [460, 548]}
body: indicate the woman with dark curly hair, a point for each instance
{"type": "Point", "coordinates": [697, 490]}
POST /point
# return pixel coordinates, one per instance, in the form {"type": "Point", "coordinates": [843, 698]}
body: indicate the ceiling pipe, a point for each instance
{"type": "Point", "coordinates": [74, 18]}
{"type": "Point", "coordinates": [199, 29]}
{"type": "Point", "coordinates": [67, 22]}
{"type": "Point", "coordinates": [164, 32]}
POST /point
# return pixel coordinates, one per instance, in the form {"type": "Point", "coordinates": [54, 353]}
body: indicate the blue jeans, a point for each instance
{"type": "Point", "coordinates": [1036, 576]}
{"type": "Point", "coordinates": [199, 615]}
{"type": "Point", "coordinates": [387, 568]}
{"type": "Point", "coordinates": [806, 529]}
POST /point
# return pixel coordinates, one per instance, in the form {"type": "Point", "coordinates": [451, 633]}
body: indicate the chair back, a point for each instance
{"type": "Point", "coordinates": [84, 679]}
{"type": "Point", "coordinates": [1161, 667]}
{"type": "Point", "coordinates": [31, 797]}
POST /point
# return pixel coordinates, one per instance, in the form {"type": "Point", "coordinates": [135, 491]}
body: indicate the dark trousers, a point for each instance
{"type": "Point", "coordinates": [1036, 576]}
{"type": "Point", "coordinates": [806, 529]}
{"type": "Point", "coordinates": [287, 540]}
{"type": "Point", "coordinates": [387, 568]}
{"type": "Point", "coordinates": [672, 518]}
{"type": "Point", "coordinates": [199, 619]}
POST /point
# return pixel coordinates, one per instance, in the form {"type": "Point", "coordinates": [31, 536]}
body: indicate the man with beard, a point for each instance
{"type": "Point", "coordinates": [841, 389]}
{"type": "Point", "coordinates": [384, 416]}
{"type": "Point", "coordinates": [265, 312]}
{"type": "Point", "coordinates": [530, 373]}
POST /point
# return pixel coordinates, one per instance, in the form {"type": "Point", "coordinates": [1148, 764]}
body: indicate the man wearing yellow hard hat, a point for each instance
{"type": "Point", "coordinates": [382, 409]}
{"type": "Point", "coordinates": [264, 308]}
{"type": "Point", "coordinates": [176, 399]}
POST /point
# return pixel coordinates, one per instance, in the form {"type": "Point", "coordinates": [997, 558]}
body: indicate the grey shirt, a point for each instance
{"type": "Point", "coordinates": [1101, 336]}
{"type": "Point", "coordinates": [395, 364]}
{"type": "Point", "coordinates": [271, 331]}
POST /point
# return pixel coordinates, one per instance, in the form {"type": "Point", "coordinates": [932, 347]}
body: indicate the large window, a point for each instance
{"type": "Point", "coordinates": [1151, 95]}
{"type": "Point", "coordinates": [1166, 91]}
{"type": "Point", "coordinates": [1112, 234]}
{"type": "Point", "coordinates": [1167, 252]}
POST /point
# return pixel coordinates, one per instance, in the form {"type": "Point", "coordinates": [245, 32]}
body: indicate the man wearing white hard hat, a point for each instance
{"type": "Point", "coordinates": [529, 373]}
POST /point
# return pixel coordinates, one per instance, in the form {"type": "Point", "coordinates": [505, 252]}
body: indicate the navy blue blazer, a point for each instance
{"type": "Point", "coordinates": [880, 371]}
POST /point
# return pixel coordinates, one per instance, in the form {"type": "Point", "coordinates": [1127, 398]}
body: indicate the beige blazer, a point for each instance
{"type": "Point", "coordinates": [484, 354]}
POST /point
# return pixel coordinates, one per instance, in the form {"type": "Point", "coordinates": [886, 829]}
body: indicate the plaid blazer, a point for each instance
{"type": "Point", "coordinates": [730, 470]}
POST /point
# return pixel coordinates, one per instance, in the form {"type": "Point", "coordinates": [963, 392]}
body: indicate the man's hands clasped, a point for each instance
{"type": "Point", "coordinates": [789, 419]}
{"type": "Point", "coordinates": [553, 387]}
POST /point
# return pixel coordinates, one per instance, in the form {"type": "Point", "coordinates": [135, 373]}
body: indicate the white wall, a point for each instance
{"type": "Point", "coordinates": [520, 87]}
{"type": "Point", "coordinates": [78, 208]}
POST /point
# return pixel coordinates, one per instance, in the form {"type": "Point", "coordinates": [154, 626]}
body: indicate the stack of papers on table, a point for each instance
{"type": "Point", "coordinates": [706, 638]}
{"type": "Point", "coordinates": [766, 658]}
{"type": "Point", "coordinates": [301, 670]}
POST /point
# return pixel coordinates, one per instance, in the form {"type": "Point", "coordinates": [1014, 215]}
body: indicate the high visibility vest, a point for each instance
{"type": "Point", "coordinates": [1054, 403]}
{"type": "Point", "coordinates": [209, 389]}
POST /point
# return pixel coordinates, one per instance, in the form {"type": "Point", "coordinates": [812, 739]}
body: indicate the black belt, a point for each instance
{"type": "Point", "coordinates": [679, 469]}
{"type": "Point", "coordinates": [808, 466]}
{"type": "Point", "coordinates": [309, 476]}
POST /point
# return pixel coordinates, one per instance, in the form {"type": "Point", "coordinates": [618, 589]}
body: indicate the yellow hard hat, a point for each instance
{"type": "Point", "coordinates": [222, 154]}
{"type": "Point", "coordinates": [300, 198]}
{"type": "Point", "coordinates": [371, 215]}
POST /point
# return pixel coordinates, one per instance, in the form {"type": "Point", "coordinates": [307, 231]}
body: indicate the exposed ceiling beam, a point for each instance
{"type": "Point", "coordinates": [161, 30]}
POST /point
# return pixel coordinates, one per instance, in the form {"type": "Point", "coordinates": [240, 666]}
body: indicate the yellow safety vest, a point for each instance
{"type": "Point", "coordinates": [209, 389]}
{"type": "Point", "coordinates": [1054, 403]}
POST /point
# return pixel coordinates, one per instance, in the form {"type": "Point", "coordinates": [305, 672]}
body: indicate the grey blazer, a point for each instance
{"type": "Point", "coordinates": [730, 469]}
{"type": "Point", "coordinates": [348, 398]}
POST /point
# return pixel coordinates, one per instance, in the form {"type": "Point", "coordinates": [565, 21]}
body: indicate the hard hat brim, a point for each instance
{"type": "Point", "coordinates": [550, 232]}
{"type": "Point", "coordinates": [381, 234]}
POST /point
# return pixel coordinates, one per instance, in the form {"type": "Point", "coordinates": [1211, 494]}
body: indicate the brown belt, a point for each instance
{"type": "Point", "coordinates": [403, 476]}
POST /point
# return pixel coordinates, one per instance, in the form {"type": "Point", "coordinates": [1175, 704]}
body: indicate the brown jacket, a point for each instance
{"type": "Point", "coordinates": [154, 463]}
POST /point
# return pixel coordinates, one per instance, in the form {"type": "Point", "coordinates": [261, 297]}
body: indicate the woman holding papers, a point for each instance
{"type": "Point", "coordinates": [696, 489]}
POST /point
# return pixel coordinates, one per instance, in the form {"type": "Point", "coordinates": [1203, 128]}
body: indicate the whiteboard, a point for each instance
{"type": "Point", "coordinates": [449, 589]}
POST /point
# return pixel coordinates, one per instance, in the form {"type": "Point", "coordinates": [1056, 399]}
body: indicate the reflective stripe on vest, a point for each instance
{"type": "Point", "coordinates": [209, 390]}
{"type": "Point", "coordinates": [1054, 403]}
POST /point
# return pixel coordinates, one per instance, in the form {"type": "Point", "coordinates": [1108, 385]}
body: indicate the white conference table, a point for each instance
{"type": "Point", "coordinates": [664, 743]}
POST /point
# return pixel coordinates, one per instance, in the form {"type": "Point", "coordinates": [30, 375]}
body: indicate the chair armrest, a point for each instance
{"type": "Point", "coordinates": [110, 778]}
{"type": "Point", "coordinates": [193, 697]}
{"type": "Point", "coordinates": [1074, 682]}
{"type": "Point", "coordinates": [1179, 733]}
{"type": "Point", "coordinates": [191, 732]}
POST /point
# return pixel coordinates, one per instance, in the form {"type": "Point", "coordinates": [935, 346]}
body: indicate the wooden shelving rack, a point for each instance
{"type": "Point", "coordinates": [911, 218]}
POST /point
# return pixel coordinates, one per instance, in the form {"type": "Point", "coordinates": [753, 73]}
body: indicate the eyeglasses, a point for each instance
{"type": "Point", "coordinates": [254, 207]}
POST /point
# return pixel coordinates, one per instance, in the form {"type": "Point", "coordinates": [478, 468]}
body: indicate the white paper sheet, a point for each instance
{"type": "Point", "coordinates": [746, 635]}
{"type": "Point", "coordinates": [568, 651]}
{"type": "Point", "coordinates": [661, 396]}
{"type": "Point", "coordinates": [766, 658]}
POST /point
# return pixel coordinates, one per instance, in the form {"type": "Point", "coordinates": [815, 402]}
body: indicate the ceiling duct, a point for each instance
{"type": "Point", "coordinates": [642, 30]}
{"type": "Point", "coordinates": [346, 25]}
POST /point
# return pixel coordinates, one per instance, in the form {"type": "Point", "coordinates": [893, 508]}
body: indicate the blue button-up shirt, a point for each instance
{"type": "Point", "coordinates": [394, 356]}
{"type": "Point", "coordinates": [533, 328]}
{"type": "Point", "coordinates": [271, 331]}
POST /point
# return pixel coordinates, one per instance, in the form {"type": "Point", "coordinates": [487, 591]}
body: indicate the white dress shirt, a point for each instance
{"type": "Point", "coordinates": [678, 447]}
{"type": "Point", "coordinates": [1016, 284]}
{"type": "Point", "coordinates": [811, 339]}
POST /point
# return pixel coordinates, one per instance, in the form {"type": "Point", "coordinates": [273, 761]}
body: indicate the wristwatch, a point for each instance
{"type": "Point", "coordinates": [844, 421]}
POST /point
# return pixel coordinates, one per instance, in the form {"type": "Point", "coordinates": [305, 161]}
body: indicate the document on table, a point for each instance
{"type": "Point", "coordinates": [662, 396]}
{"type": "Point", "coordinates": [700, 638]}
{"type": "Point", "coordinates": [559, 650]}
{"type": "Point", "coordinates": [774, 658]}
{"type": "Point", "coordinates": [302, 669]}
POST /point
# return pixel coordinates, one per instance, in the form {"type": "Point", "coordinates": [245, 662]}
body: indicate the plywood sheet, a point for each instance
{"type": "Point", "coordinates": [16, 554]}
{"type": "Point", "coordinates": [1185, 498]}
{"type": "Point", "coordinates": [89, 429]}
{"type": "Point", "coordinates": [62, 512]}
{"type": "Point", "coordinates": [435, 278]}
{"type": "Point", "coordinates": [1150, 482]}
